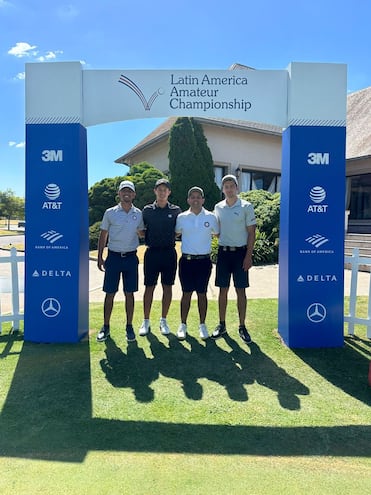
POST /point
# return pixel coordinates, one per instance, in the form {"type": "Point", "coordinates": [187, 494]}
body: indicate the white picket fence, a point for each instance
{"type": "Point", "coordinates": [351, 318]}
{"type": "Point", "coordinates": [14, 316]}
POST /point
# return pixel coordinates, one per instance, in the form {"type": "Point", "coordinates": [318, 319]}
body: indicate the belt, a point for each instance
{"type": "Point", "coordinates": [123, 255]}
{"type": "Point", "coordinates": [232, 248]}
{"type": "Point", "coordinates": [196, 256]}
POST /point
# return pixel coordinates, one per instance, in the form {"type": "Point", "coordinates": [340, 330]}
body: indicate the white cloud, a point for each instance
{"type": "Point", "coordinates": [14, 144]}
{"type": "Point", "coordinates": [22, 49]}
{"type": "Point", "coordinates": [4, 3]}
{"type": "Point", "coordinates": [49, 55]}
{"type": "Point", "coordinates": [20, 76]}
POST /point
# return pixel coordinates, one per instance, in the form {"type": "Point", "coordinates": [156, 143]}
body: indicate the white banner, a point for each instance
{"type": "Point", "coordinates": [249, 95]}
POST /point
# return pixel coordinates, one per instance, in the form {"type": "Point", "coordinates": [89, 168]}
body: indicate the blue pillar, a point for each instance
{"type": "Point", "coordinates": [311, 283]}
{"type": "Point", "coordinates": [57, 236]}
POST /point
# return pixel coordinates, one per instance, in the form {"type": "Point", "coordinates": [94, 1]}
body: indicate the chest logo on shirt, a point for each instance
{"type": "Point", "coordinates": [170, 215]}
{"type": "Point", "coordinates": [206, 224]}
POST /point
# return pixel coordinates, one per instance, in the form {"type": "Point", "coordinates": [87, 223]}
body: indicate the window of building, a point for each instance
{"type": "Point", "coordinates": [251, 179]}
{"type": "Point", "coordinates": [219, 173]}
{"type": "Point", "coordinates": [360, 197]}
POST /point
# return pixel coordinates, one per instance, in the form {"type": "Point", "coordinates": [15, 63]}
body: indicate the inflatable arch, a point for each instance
{"type": "Point", "coordinates": [308, 100]}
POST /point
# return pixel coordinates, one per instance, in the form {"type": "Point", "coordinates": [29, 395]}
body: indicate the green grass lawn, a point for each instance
{"type": "Point", "coordinates": [165, 417]}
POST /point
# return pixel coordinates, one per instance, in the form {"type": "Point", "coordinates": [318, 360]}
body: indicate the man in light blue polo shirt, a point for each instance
{"type": "Point", "coordinates": [196, 226]}
{"type": "Point", "coordinates": [121, 225]}
{"type": "Point", "coordinates": [236, 243]}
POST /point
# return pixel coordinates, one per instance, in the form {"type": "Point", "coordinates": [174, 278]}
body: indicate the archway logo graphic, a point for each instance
{"type": "Point", "coordinates": [147, 104]}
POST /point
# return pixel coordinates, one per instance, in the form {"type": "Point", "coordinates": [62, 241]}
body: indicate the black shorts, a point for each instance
{"type": "Point", "coordinates": [160, 260]}
{"type": "Point", "coordinates": [231, 263]}
{"type": "Point", "coordinates": [194, 275]}
{"type": "Point", "coordinates": [115, 267]}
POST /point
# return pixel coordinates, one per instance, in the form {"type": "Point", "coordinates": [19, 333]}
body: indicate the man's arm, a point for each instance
{"type": "Point", "coordinates": [102, 241]}
{"type": "Point", "coordinates": [247, 262]}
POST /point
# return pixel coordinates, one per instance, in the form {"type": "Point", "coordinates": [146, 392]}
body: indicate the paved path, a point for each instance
{"type": "Point", "coordinates": [263, 284]}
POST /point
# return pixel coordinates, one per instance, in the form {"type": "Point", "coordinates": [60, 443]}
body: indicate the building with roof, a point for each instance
{"type": "Point", "coordinates": [252, 152]}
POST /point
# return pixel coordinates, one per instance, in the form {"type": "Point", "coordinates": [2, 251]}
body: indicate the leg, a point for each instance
{"type": "Point", "coordinates": [108, 305]}
{"type": "Point", "coordinates": [202, 306]}
{"type": "Point", "coordinates": [185, 304]}
{"type": "Point", "coordinates": [222, 302]}
{"type": "Point", "coordinates": [167, 293]}
{"type": "Point", "coordinates": [241, 304]}
{"type": "Point", "coordinates": [129, 307]}
{"type": "Point", "coordinates": [147, 300]}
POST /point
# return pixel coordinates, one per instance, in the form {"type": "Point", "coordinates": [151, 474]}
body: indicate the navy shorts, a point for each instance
{"type": "Point", "coordinates": [194, 275]}
{"type": "Point", "coordinates": [160, 260]}
{"type": "Point", "coordinates": [115, 267]}
{"type": "Point", "coordinates": [230, 264]}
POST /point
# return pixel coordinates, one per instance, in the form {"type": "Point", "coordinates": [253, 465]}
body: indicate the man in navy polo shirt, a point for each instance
{"type": "Point", "coordinates": [121, 225]}
{"type": "Point", "coordinates": [160, 257]}
{"type": "Point", "coordinates": [197, 227]}
{"type": "Point", "coordinates": [236, 243]}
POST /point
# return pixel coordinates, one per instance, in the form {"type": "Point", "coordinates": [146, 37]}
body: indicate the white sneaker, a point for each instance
{"type": "Point", "coordinates": [182, 331]}
{"type": "Point", "coordinates": [164, 328]}
{"type": "Point", "coordinates": [204, 334]}
{"type": "Point", "coordinates": [145, 328]}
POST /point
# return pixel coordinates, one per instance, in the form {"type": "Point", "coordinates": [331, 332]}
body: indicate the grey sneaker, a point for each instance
{"type": "Point", "coordinates": [145, 328]}
{"type": "Point", "coordinates": [204, 334]}
{"type": "Point", "coordinates": [182, 331]}
{"type": "Point", "coordinates": [164, 327]}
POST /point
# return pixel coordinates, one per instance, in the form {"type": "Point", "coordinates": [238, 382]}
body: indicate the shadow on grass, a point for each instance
{"type": "Point", "coordinates": [345, 367]}
{"type": "Point", "coordinates": [48, 413]}
{"type": "Point", "coordinates": [233, 369]}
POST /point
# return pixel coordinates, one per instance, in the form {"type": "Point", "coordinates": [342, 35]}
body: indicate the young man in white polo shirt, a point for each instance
{"type": "Point", "coordinates": [196, 226]}
{"type": "Point", "coordinates": [121, 225]}
{"type": "Point", "coordinates": [236, 243]}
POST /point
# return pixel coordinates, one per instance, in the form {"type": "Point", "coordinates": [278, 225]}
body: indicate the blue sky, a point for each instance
{"type": "Point", "coordinates": [162, 34]}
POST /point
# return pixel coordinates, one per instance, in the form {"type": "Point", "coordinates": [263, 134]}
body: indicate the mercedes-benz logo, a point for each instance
{"type": "Point", "coordinates": [316, 312]}
{"type": "Point", "coordinates": [50, 307]}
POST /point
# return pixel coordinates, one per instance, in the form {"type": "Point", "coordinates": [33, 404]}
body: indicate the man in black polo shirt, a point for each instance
{"type": "Point", "coordinates": [160, 257]}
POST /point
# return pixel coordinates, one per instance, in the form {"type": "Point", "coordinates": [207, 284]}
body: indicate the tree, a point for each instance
{"type": "Point", "coordinates": [11, 206]}
{"type": "Point", "coordinates": [190, 163]}
{"type": "Point", "coordinates": [103, 194]}
{"type": "Point", "coordinates": [144, 176]}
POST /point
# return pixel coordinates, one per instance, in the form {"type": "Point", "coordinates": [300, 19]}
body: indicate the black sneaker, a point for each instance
{"type": "Point", "coordinates": [219, 331]}
{"type": "Point", "coordinates": [244, 334]}
{"type": "Point", "coordinates": [130, 335]}
{"type": "Point", "coordinates": [103, 334]}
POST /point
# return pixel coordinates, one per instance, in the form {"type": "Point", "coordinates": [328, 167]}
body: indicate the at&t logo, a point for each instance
{"type": "Point", "coordinates": [317, 194]}
{"type": "Point", "coordinates": [52, 192]}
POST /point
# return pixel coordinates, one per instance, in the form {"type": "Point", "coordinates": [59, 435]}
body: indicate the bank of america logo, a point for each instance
{"type": "Point", "coordinates": [147, 104]}
{"type": "Point", "coordinates": [317, 240]}
{"type": "Point", "coordinates": [52, 236]}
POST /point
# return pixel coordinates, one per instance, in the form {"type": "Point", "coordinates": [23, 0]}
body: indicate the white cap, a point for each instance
{"type": "Point", "coordinates": [127, 183]}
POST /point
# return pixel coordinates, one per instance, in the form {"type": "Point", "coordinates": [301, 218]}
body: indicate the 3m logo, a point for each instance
{"type": "Point", "coordinates": [52, 155]}
{"type": "Point", "coordinates": [319, 158]}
